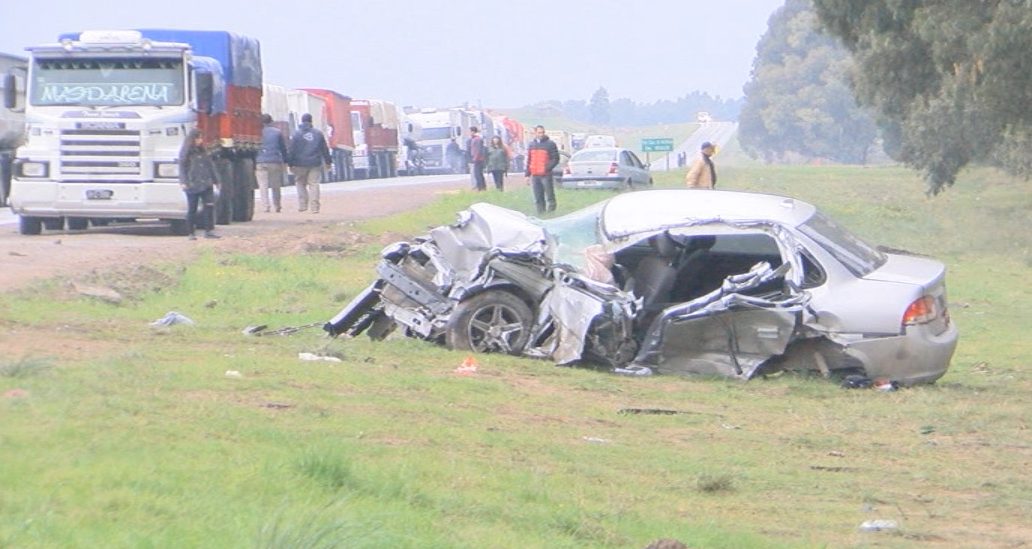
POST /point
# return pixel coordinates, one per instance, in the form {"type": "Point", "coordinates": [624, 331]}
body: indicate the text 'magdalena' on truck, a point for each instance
{"type": "Point", "coordinates": [680, 281]}
{"type": "Point", "coordinates": [106, 114]}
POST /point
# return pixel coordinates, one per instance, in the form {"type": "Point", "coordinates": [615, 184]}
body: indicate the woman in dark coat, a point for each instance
{"type": "Point", "coordinates": [199, 179]}
{"type": "Point", "coordinates": [497, 161]}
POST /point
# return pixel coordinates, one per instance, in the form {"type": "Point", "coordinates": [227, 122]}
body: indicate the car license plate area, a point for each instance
{"type": "Point", "coordinates": [590, 183]}
{"type": "Point", "coordinates": [99, 194]}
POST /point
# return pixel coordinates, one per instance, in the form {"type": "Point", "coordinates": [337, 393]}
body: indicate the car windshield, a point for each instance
{"type": "Point", "coordinates": [589, 155]}
{"type": "Point", "coordinates": [574, 232]}
{"type": "Point", "coordinates": [856, 255]}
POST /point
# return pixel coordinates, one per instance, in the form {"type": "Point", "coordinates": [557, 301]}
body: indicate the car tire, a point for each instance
{"type": "Point", "coordinates": [179, 227]}
{"type": "Point", "coordinates": [493, 321]}
{"type": "Point", "coordinates": [78, 223]}
{"type": "Point", "coordinates": [30, 225]}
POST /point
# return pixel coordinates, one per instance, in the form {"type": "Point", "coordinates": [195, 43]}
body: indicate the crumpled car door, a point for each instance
{"type": "Point", "coordinates": [725, 332]}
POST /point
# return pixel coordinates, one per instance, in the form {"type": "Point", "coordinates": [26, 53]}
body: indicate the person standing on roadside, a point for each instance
{"type": "Point", "coordinates": [478, 158]}
{"type": "Point", "coordinates": [703, 174]}
{"type": "Point", "coordinates": [542, 158]}
{"type": "Point", "coordinates": [497, 162]}
{"type": "Point", "coordinates": [270, 164]}
{"type": "Point", "coordinates": [308, 155]}
{"type": "Point", "coordinates": [198, 178]}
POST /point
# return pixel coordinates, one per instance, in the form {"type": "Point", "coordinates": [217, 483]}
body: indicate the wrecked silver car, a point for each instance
{"type": "Point", "coordinates": [679, 281]}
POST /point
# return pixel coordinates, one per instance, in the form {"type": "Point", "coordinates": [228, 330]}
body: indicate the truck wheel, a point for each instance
{"type": "Point", "coordinates": [53, 223]}
{"type": "Point", "coordinates": [244, 184]}
{"type": "Point", "coordinates": [224, 201]}
{"type": "Point", "coordinates": [30, 225]}
{"type": "Point", "coordinates": [78, 223]}
{"type": "Point", "coordinates": [493, 321]}
{"type": "Point", "coordinates": [179, 227]}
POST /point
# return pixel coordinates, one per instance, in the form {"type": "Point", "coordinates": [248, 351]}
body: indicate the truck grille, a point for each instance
{"type": "Point", "coordinates": [100, 155]}
{"type": "Point", "coordinates": [432, 153]}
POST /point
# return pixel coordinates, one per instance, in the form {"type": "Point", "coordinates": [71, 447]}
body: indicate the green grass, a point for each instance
{"type": "Point", "coordinates": [128, 436]}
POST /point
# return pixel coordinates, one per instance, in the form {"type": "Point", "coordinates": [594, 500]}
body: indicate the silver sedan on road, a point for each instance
{"type": "Point", "coordinates": [606, 168]}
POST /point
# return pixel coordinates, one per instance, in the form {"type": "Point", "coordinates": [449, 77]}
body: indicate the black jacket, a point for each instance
{"type": "Point", "coordinates": [197, 170]}
{"type": "Point", "coordinates": [308, 148]}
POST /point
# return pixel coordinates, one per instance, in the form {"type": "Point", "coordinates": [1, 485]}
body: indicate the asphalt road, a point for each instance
{"type": "Point", "coordinates": [718, 133]}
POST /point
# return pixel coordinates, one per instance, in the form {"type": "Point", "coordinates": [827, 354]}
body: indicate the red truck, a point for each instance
{"type": "Point", "coordinates": [340, 134]}
{"type": "Point", "coordinates": [376, 138]}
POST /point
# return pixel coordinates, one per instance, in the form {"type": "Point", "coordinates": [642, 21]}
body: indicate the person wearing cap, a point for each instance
{"type": "Point", "coordinates": [307, 156]}
{"type": "Point", "coordinates": [270, 163]}
{"type": "Point", "coordinates": [703, 174]}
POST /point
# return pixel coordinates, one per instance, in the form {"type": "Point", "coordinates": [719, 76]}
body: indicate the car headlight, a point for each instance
{"type": "Point", "coordinates": [33, 169]}
{"type": "Point", "coordinates": [167, 170]}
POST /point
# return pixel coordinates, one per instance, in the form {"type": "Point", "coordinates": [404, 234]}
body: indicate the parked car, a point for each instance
{"type": "Point", "coordinates": [606, 168]}
{"type": "Point", "coordinates": [678, 281]}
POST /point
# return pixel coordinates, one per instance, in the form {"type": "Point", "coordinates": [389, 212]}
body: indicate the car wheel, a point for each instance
{"type": "Point", "coordinates": [494, 321]}
{"type": "Point", "coordinates": [30, 225]}
{"type": "Point", "coordinates": [179, 227]}
{"type": "Point", "coordinates": [78, 223]}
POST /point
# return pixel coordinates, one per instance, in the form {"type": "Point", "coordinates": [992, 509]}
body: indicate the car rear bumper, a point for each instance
{"type": "Point", "coordinates": [918, 356]}
{"type": "Point", "coordinates": [580, 182]}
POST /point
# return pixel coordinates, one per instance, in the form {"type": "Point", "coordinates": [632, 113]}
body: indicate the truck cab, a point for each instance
{"type": "Point", "coordinates": [106, 114]}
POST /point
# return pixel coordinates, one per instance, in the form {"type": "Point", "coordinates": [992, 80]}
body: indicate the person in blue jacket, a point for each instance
{"type": "Point", "coordinates": [270, 163]}
{"type": "Point", "coordinates": [309, 154]}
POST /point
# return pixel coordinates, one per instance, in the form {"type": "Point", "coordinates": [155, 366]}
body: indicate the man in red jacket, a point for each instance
{"type": "Point", "coordinates": [542, 158]}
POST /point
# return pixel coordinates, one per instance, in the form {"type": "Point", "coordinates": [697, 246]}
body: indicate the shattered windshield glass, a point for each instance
{"type": "Point", "coordinates": [573, 233]}
{"type": "Point", "coordinates": [856, 255]}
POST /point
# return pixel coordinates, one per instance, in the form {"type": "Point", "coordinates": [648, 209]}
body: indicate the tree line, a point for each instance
{"type": "Point", "coordinates": [939, 84]}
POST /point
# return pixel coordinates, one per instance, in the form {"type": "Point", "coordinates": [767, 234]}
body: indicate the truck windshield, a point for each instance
{"type": "Point", "coordinates": [107, 82]}
{"type": "Point", "coordinates": [435, 133]}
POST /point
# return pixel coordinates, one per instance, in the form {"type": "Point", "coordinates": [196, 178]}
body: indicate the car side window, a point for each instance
{"type": "Point", "coordinates": [625, 159]}
{"type": "Point", "coordinates": [635, 161]}
{"type": "Point", "coordinates": [813, 274]}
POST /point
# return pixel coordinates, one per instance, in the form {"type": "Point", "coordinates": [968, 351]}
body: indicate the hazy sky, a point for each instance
{"type": "Point", "coordinates": [445, 52]}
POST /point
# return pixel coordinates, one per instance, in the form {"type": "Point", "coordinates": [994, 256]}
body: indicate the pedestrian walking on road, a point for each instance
{"type": "Point", "coordinates": [477, 155]}
{"type": "Point", "coordinates": [270, 164]}
{"type": "Point", "coordinates": [542, 158]}
{"type": "Point", "coordinates": [198, 178]}
{"type": "Point", "coordinates": [309, 154]}
{"type": "Point", "coordinates": [498, 162]}
{"type": "Point", "coordinates": [703, 174]}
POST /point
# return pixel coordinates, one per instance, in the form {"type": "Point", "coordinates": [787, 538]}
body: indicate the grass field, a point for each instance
{"type": "Point", "coordinates": [113, 433]}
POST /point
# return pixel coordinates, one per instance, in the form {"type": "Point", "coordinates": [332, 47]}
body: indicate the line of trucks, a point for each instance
{"type": "Point", "coordinates": [98, 117]}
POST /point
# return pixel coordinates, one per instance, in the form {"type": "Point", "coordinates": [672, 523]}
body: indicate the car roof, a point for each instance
{"type": "Point", "coordinates": [600, 149]}
{"type": "Point", "coordinates": [650, 211]}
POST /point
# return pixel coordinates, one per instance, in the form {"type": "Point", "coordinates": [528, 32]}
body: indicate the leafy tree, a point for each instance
{"type": "Point", "coordinates": [600, 106]}
{"type": "Point", "coordinates": [951, 79]}
{"type": "Point", "coordinates": [798, 99]}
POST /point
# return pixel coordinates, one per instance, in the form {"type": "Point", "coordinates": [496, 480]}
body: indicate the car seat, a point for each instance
{"type": "Point", "coordinates": [693, 261]}
{"type": "Point", "coordinates": [654, 277]}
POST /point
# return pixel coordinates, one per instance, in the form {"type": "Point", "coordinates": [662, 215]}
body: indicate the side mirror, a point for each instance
{"type": "Point", "coordinates": [205, 91]}
{"type": "Point", "coordinates": [10, 91]}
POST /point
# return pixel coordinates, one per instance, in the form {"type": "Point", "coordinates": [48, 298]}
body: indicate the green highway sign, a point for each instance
{"type": "Point", "coordinates": [657, 144]}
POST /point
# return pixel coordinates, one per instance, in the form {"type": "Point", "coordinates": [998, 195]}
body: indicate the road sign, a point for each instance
{"type": "Point", "coordinates": [657, 144]}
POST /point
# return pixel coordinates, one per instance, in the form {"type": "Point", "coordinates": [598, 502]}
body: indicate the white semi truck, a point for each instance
{"type": "Point", "coordinates": [106, 115]}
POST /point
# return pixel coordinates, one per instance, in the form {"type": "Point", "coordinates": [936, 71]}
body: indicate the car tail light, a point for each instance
{"type": "Point", "coordinates": [566, 170]}
{"type": "Point", "coordinates": [613, 167]}
{"type": "Point", "coordinates": [920, 311]}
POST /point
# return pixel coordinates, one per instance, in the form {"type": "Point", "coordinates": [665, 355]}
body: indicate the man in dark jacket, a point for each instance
{"type": "Point", "coordinates": [198, 177]}
{"type": "Point", "coordinates": [477, 153]}
{"type": "Point", "coordinates": [270, 163]}
{"type": "Point", "coordinates": [308, 155]}
{"type": "Point", "coordinates": [542, 158]}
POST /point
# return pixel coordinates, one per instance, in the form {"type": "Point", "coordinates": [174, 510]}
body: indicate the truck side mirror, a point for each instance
{"type": "Point", "coordinates": [10, 91]}
{"type": "Point", "coordinates": [205, 91]}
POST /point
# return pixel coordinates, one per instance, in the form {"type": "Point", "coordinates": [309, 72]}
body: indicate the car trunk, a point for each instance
{"type": "Point", "coordinates": [928, 274]}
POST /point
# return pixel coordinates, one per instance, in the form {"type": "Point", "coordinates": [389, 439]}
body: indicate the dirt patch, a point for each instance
{"type": "Point", "coordinates": [89, 255]}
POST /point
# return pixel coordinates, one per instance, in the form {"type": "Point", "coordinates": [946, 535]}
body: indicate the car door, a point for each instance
{"type": "Point", "coordinates": [642, 176]}
{"type": "Point", "coordinates": [746, 316]}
